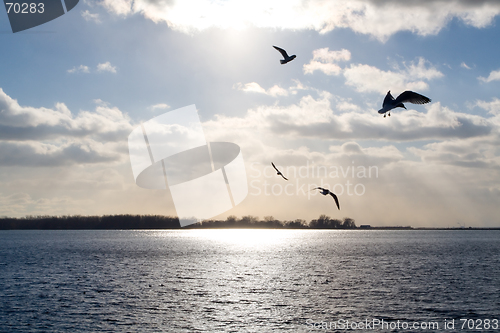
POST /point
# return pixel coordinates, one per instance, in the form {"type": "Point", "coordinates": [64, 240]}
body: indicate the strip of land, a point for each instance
{"type": "Point", "coordinates": [126, 222]}
{"type": "Point", "coordinates": [137, 222]}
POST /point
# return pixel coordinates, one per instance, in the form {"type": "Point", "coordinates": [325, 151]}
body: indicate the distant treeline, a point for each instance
{"type": "Point", "coordinates": [75, 222]}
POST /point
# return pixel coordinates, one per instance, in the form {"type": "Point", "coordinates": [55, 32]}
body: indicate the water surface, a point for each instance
{"type": "Point", "coordinates": [243, 280]}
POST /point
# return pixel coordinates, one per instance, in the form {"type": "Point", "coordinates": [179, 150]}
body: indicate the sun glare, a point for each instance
{"type": "Point", "coordinates": [236, 15]}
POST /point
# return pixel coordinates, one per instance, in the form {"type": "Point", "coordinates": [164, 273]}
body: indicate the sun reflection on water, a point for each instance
{"type": "Point", "coordinates": [246, 237]}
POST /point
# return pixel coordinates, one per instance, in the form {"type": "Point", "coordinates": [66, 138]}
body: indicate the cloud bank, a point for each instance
{"type": "Point", "coordinates": [378, 18]}
{"type": "Point", "coordinates": [31, 136]}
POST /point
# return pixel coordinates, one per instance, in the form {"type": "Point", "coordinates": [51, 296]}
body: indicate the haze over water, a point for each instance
{"type": "Point", "coordinates": [244, 280]}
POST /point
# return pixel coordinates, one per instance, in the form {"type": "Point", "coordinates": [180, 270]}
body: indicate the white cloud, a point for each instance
{"type": "Point", "coordinates": [326, 55]}
{"type": "Point", "coordinates": [88, 16]}
{"type": "Point", "coordinates": [492, 107]}
{"type": "Point", "coordinates": [277, 91]}
{"type": "Point", "coordinates": [422, 70]}
{"type": "Point", "coordinates": [353, 151]}
{"type": "Point", "coordinates": [118, 7]}
{"type": "Point", "coordinates": [79, 69]}
{"type": "Point", "coordinates": [250, 87]}
{"type": "Point", "coordinates": [379, 18]}
{"type": "Point", "coordinates": [39, 154]}
{"type": "Point", "coordinates": [21, 204]}
{"type": "Point", "coordinates": [100, 102]}
{"type": "Point", "coordinates": [464, 65]}
{"type": "Point", "coordinates": [256, 88]}
{"type": "Point", "coordinates": [471, 153]}
{"type": "Point", "coordinates": [314, 118]}
{"type": "Point", "coordinates": [106, 67]}
{"type": "Point", "coordinates": [161, 106]}
{"type": "Point", "coordinates": [366, 78]}
{"type": "Point", "coordinates": [324, 60]}
{"type": "Point", "coordinates": [494, 76]}
{"type": "Point", "coordinates": [298, 86]}
{"type": "Point", "coordinates": [347, 106]}
{"type": "Point", "coordinates": [32, 136]}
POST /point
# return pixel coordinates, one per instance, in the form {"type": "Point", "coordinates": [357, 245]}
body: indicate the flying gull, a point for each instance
{"type": "Point", "coordinates": [278, 172]}
{"type": "Point", "coordinates": [405, 97]}
{"type": "Point", "coordinates": [325, 191]}
{"type": "Point", "coordinates": [285, 55]}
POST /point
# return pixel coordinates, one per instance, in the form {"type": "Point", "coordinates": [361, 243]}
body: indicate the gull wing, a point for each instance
{"type": "Point", "coordinates": [279, 172]}
{"type": "Point", "coordinates": [336, 199]}
{"type": "Point", "coordinates": [412, 97]}
{"type": "Point", "coordinates": [388, 99]}
{"type": "Point", "coordinates": [283, 52]}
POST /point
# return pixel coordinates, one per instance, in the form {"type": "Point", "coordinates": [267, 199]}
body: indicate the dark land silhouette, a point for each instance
{"type": "Point", "coordinates": [120, 222]}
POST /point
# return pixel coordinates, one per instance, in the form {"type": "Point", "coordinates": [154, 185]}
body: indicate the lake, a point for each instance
{"type": "Point", "coordinates": [249, 280]}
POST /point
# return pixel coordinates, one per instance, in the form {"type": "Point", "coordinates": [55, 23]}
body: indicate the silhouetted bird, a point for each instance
{"type": "Point", "coordinates": [278, 172]}
{"type": "Point", "coordinates": [325, 191]}
{"type": "Point", "coordinates": [405, 97]}
{"type": "Point", "coordinates": [285, 55]}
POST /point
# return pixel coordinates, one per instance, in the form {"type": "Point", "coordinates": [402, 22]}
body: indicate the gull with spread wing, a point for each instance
{"type": "Point", "coordinates": [325, 191]}
{"type": "Point", "coordinates": [278, 172]}
{"type": "Point", "coordinates": [285, 55]}
{"type": "Point", "coordinates": [405, 97]}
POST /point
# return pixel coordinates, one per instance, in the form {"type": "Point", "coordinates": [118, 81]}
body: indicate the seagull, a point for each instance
{"type": "Point", "coordinates": [278, 172]}
{"type": "Point", "coordinates": [285, 55]}
{"type": "Point", "coordinates": [407, 96]}
{"type": "Point", "coordinates": [325, 191]}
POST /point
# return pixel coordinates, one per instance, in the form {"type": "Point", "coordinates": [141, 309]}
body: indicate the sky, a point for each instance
{"type": "Point", "coordinates": [73, 89]}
